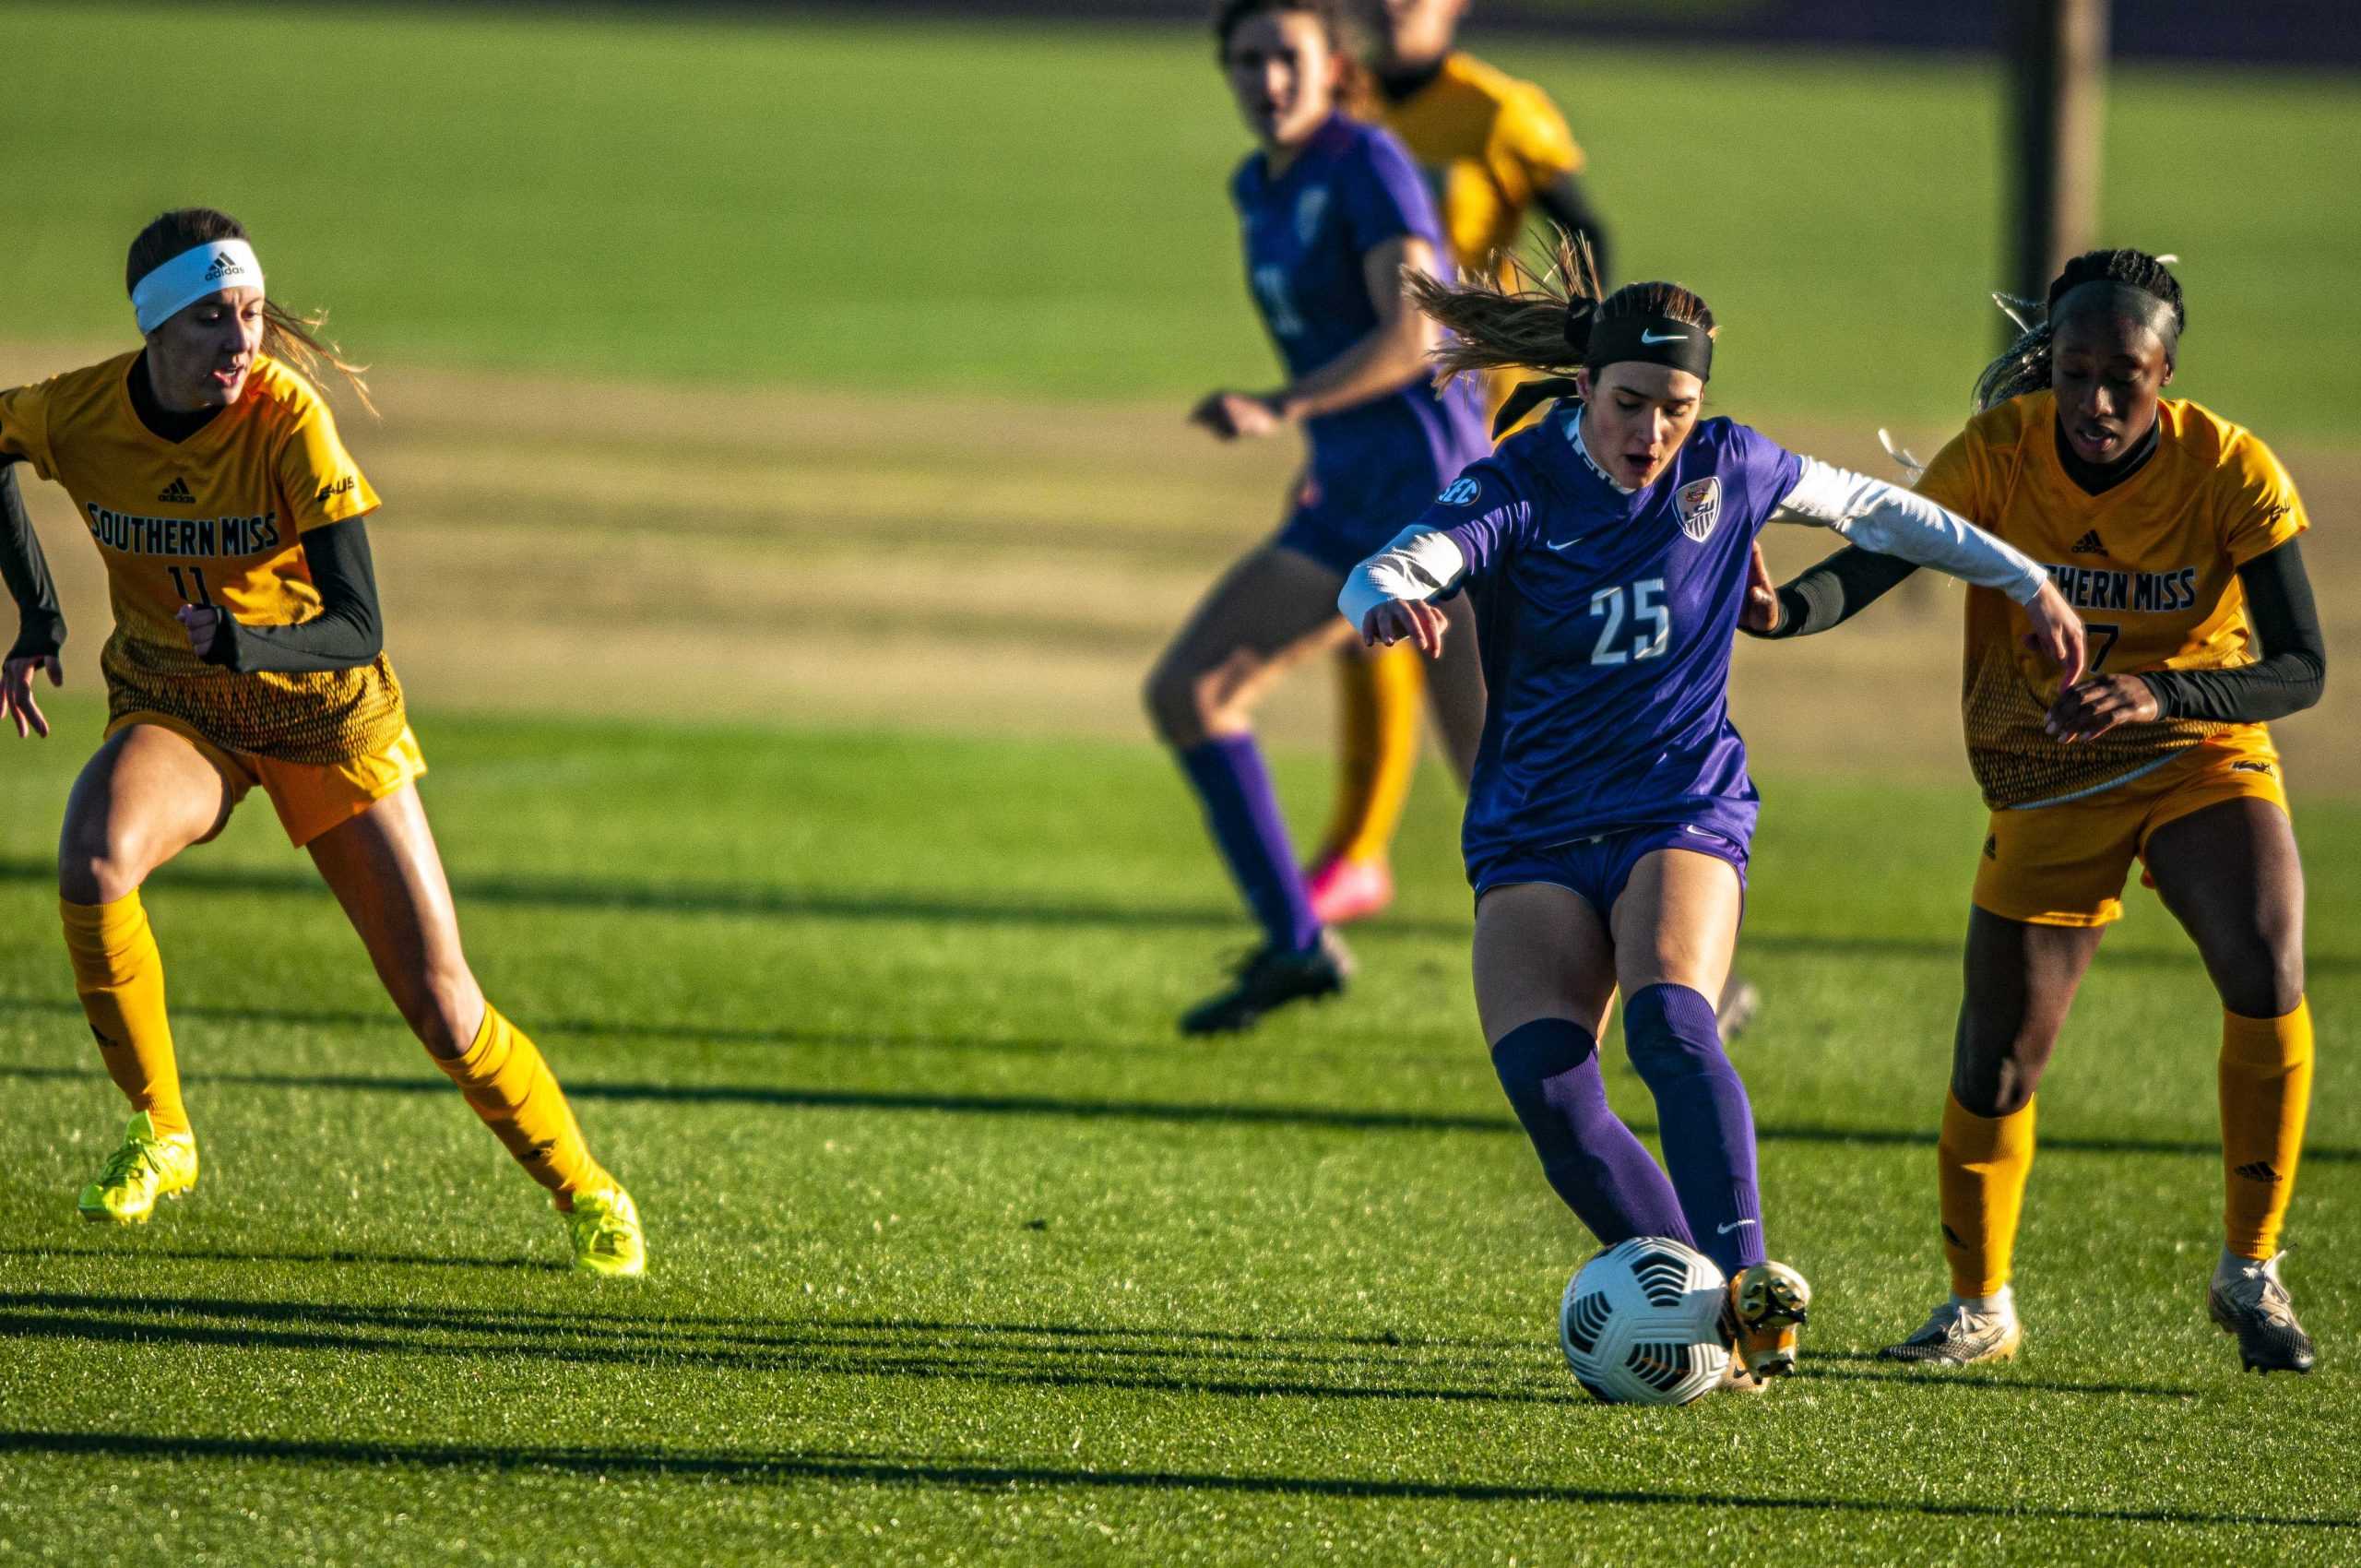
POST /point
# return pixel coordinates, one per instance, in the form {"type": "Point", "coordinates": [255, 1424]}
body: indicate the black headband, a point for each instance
{"type": "Point", "coordinates": [1652, 339]}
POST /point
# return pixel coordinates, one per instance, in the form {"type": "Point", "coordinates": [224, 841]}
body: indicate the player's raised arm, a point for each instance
{"type": "Point", "coordinates": [1893, 521]}
{"type": "Point", "coordinates": [41, 625]}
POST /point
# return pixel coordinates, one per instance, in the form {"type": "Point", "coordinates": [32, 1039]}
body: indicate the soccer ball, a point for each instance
{"type": "Point", "coordinates": [1641, 1323]}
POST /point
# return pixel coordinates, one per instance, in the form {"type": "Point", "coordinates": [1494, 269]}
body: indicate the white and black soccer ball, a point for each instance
{"type": "Point", "coordinates": [1641, 1323]}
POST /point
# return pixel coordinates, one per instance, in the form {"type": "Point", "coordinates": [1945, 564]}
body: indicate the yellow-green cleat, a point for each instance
{"type": "Point", "coordinates": [147, 1167]}
{"type": "Point", "coordinates": [604, 1225]}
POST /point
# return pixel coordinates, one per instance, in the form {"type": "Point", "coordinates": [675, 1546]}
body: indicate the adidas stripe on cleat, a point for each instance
{"type": "Point", "coordinates": [2247, 1298]}
{"type": "Point", "coordinates": [1957, 1335]}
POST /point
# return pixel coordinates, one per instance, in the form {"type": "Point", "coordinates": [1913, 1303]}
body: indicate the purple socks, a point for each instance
{"type": "Point", "coordinates": [1550, 1070]}
{"type": "Point", "coordinates": [1243, 814]}
{"type": "Point", "coordinates": [1702, 1119]}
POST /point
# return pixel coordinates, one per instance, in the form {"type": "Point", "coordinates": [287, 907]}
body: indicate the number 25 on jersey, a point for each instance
{"type": "Point", "coordinates": [1639, 605]}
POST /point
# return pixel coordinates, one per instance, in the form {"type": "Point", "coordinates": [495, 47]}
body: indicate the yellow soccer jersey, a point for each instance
{"type": "Point", "coordinates": [1488, 143]}
{"type": "Point", "coordinates": [2151, 566]}
{"type": "Point", "coordinates": [215, 519]}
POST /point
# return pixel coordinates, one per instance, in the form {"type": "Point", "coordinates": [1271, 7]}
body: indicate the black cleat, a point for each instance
{"type": "Point", "coordinates": [1269, 978]}
{"type": "Point", "coordinates": [2247, 1299]}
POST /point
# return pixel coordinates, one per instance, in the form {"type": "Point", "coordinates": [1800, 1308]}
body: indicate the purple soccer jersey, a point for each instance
{"type": "Point", "coordinates": [1606, 623]}
{"type": "Point", "coordinates": [1350, 189]}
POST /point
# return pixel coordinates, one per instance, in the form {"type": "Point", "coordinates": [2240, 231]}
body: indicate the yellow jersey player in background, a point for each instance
{"type": "Point", "coordinates": [1495, 150]}
{"type": "Point", "coordinates": [247, 651]}
{"type": "Point", "coordinates": [2173, 532]}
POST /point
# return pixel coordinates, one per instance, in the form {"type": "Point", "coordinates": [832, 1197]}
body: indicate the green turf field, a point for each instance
{"type": "Point", "coordinates": [962, 1256]}
{"type": "Point", "coordinates": [1029, 212]}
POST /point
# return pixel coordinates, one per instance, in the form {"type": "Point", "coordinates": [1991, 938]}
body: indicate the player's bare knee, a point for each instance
{"type": "Point", "coordinates": [98, 863]}
{"type": "Point", "coordinates": [2257, 978]}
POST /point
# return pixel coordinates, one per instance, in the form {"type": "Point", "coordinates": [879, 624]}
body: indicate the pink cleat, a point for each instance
{"type": "Point", "coordinates": [1342, 891]}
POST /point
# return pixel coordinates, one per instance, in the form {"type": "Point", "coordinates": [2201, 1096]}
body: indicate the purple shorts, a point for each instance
{"type": "Point", "coordinates": [1596, 870]}
{"type": "Point", "coordinates": [1341, 531]}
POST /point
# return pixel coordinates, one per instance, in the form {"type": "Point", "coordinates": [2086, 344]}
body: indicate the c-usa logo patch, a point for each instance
{"type": "Point", "coordinates": [1461, 492]}
{"type": "Point", "coordinates": [1698, 504]}
{"type": "Point", "coordinates": [1309, 212]}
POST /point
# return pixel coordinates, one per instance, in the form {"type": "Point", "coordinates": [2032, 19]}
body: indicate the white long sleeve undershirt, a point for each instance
{"type": "Point", "coordinates": [1422, 563]}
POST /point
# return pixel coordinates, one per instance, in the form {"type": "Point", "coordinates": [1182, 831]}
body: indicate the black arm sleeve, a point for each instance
{"type": "Point", "coordinates": [345, 634]}
{"type": "Point", "coordinates": [1835, 590]}
{"type": "Point", "coordinates": [41, 625]}
{"type": "Point", "coordinates": [1566, 204]}
{"type": "Point", "coordinates": [2293, 665]}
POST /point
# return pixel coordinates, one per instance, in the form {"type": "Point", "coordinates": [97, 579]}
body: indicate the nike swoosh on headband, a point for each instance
{"type": "Point", "coordinates": [1665, 338]}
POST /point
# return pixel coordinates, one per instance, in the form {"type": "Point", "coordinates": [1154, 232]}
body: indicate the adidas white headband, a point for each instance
{"type": "Point", "coordinates": [192, 275]}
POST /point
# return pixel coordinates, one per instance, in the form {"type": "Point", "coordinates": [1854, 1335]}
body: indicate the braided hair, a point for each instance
{"type": "Point", "coordinates": [2023, 366]}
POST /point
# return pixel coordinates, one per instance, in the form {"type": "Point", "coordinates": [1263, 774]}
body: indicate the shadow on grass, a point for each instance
{"type": "Point", "coordinates": [1025, 1356]}
{"type": "Point", "coordinates": [1183, 1112]}
{"type": "Point", "coordinates": [145, 1253]}
{"type": "Point", "coordinates": [859, 904]}
{"type": "Point", "coordinates": [672, 1030]}
{"type": "Point", "coordinates": [1243, 1365]}
{"type": "Point", "coordinates": [874, 1469]}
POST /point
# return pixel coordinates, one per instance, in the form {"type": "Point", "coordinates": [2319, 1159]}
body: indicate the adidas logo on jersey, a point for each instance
{"type": "Point", "coordinates": [2090, 545]}
{"type": "Point", "coordinates": [176, 490]}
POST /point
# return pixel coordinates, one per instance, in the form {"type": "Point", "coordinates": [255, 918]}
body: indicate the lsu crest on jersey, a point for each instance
{"type": "Point", "coordinates": [1698, 505]}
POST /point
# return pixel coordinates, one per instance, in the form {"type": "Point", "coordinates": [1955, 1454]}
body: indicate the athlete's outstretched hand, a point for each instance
{"type": "Point", "coordinates": [1411, 618]}
{"type": "Point", "coordinates": [2098, 704]}
{"type": "Point", "coordinates": [17, 702]}
{"type": "Point", "coordinates": [1760, 610]}
{"type": "Point", "coordinates": [2057, 633]}
{"type": "Point", "coordinates": [203, 624]}
{"type": "Point", "coordinates": [1230, 415]}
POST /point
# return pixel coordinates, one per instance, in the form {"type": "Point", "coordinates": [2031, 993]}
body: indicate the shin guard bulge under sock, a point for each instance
{"type": "Point", "coordinates": [1549, 1068]}
{"type": "Point", "coordinates": [1243, 813]}
{"type": "Point", "coordinates": [502, 1077]}
{"type": "Point", "coordinates": [2266, 1083]}
{"type": "Point", "coordinates": [1982, 1163]}
{"type": "Point", "coordinates": [119, 975]}
{"type": "Point", "coordinates": [1702, 1120]}
{"type": "Point", "coordinates": [1379, 698]}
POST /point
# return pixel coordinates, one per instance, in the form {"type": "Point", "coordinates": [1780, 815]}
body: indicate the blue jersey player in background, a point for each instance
{"type": "Point", "coordinates": [1336, 215]}
{"type": "Point", "coordinates": [1609, 813]}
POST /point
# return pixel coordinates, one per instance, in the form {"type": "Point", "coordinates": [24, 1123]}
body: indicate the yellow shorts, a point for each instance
{"type": "Point", "coordinates": [310, 798]}
{"type": "Point", "coordinates": [2066, 864]}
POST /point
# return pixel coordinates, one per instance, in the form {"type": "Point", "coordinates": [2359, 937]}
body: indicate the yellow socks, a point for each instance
{"type": "Point", "coordinates": [1983, 1162]}
{"type": "Point", "coordinates": [120, 977]}
{"type": "Point", "coordinates": [502, 1077]}
{"type": "Point", "coordinates": [1377, 702]}
{"type": "Point", "coordinates": [2266, 1089]}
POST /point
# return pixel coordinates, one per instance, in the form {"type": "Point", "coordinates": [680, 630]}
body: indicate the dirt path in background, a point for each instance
{"type": "Point", "coordinates": [970, 565]}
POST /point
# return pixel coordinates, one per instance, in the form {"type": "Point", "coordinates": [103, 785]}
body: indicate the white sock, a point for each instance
{"type": "Point", "coordinates": [2000, 1303]}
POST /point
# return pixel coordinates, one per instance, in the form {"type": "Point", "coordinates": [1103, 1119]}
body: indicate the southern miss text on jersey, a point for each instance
{"type": "Point", "coordinates": [2150, 565]}
{"type": "Point", "coordinates": [216, 519]}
